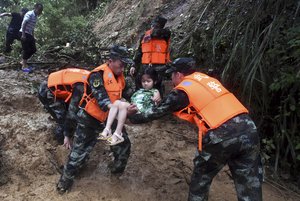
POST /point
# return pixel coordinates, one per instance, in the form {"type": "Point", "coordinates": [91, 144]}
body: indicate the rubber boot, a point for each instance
{"type": "Point", "coordinates": [64, 185]}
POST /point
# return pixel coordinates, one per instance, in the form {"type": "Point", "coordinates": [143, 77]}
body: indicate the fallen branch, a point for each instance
{"type": "Point", "coordinates": [42, 62]}
{"type": "Point", "coordinates": [14, 65]}
{"type": "Point", "coordinates": [279, 186]}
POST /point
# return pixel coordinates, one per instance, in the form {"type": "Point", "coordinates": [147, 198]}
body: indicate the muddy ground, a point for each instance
{"type": "Point", "coordinates": [159, 168]}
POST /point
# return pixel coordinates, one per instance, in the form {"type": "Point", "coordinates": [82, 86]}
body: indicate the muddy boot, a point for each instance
{"type": "Point", "coordinates": [64, 185]}
{"type": "Point", "coordinates": [59, 133]}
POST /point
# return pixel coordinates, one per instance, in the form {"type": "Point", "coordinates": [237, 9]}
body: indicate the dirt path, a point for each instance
{"type": "Point", "coordinates": [159, 167]}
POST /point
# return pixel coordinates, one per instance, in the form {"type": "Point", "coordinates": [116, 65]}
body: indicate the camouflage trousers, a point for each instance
{"type": "Point", "coordinates": [237, 144]}
{"type": "Point", "coordinates": [56, 108]}
{"type": "Point", "coordinates": [85, 139]}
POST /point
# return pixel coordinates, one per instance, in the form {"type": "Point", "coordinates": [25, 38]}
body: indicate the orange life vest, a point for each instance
{"type": "Point", "coordinates": [155, 51]}
{"type": "Point", "coordinates": [61, 82]}
{"type": "Point", "coordinates": [211, 104]}
{"type": "Point", "coordinates": [113, 87]}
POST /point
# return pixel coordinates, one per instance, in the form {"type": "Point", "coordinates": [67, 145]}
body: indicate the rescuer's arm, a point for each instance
{"type": "Point", "coordinates": [5, 14]}
{"type": "Point", "coordinates": [97, 86]}
{"type": "Point", "coordinates": [176, 100]}
{"type": "Point", "coordinates": [137, 59]}
{"type": "Point", "coordinates": [70, 120]}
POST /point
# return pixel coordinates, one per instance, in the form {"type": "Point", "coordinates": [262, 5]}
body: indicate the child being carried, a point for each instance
{"type": "Point", "coordinates": [145, 98]}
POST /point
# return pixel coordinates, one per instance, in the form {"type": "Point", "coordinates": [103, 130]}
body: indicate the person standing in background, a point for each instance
{"type": "Point", "coordinates": [27, 33]}
{"type": "Point", "coordinates": [153, 51]}
{"type": "Point", "coordinates": [14, 26]}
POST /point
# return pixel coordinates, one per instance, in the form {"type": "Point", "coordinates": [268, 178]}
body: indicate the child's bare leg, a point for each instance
{"type": "Point", "coordinates": [113, 111]}
{"type": "Point", "coordinates": [122, 115]}
{"type": "Point", "coordinates": [24, 63]}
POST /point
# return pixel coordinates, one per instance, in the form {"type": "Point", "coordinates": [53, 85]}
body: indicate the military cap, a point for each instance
{"type": "Point", "coordinates": [183, 65]}
{"type": "Point", "coordinates": [121, 53]}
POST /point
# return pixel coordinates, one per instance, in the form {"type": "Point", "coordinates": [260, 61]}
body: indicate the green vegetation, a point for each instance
{"type": "Point", "coordinates": [61, 22]}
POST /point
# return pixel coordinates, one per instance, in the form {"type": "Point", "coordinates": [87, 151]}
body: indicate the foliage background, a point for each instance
{"type": "Point", "coordinates": [61, 22]}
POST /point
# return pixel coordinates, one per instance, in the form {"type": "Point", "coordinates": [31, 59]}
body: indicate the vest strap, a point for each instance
{"type": "Point", "coordinates": [202, 130]}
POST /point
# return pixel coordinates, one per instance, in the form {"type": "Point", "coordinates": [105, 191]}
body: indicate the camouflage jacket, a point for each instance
{"type": "Point", "coordinates": [177, 100]}
{"type": "Point", "coordinates": [99, 91]}
{"type": "Point", "coordinates": [71, 119]}
{"type": "Point", "coordinates": [96, 86]}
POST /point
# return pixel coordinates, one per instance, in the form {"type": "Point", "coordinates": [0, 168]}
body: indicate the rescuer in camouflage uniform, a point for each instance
{"type": "Point", "coordinates": [235, 142]}
{"type": "Point", "coordinates": [159, 32]}
{"type": "Point", "coordinates": [63, 113]}
{"type": "Point", "coordinates": [88, 129]}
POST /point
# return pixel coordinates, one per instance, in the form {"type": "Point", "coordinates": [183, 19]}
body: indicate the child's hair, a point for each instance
{"type": "Point", "coordinates": [151, 73]}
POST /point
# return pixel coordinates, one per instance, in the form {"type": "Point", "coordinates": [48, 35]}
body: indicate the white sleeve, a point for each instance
{"type": "Point", "coordinates": [26, 17]}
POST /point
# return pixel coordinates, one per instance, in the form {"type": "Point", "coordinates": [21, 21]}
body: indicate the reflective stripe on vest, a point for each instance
{"type": "Point", "coordinates": [210, 103]}
{"type": "Point", "coordinates": [61, 82]}
{"type": "Point", "coordinates": [155, 51]}
{"type": "Point", "coordinates": [113, 88]}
